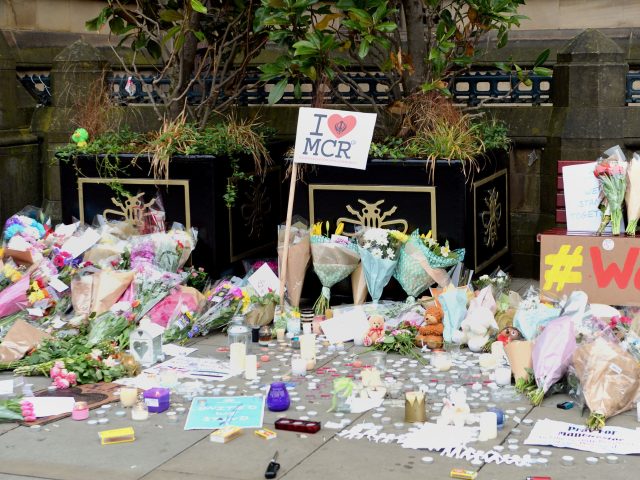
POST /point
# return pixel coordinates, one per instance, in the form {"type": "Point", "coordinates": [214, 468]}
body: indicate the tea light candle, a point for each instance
{"type": "Point", "coordinates": [80, 411]}
{"type": "Point", "coordinates": [298, 365]}
{"type": "Point", "coordinates": [280, 334]}
{"type": "Point", "coordinates": [488, 426]}
{"type": "Point", "coordinates": [497, 349]}
{"type": "Point", "coordinates": [441, 361]}
{"type": "Point", "coordinates": [238, 352]}
{"type": "Point", "coordinates": [488, 361]}
{"type": "Point", "coordinates": [139, 412]}
{"type": "Point", "coordinates": [502, 376]}
{"type": "Point", "coordinates": [128, 396]}
{"type": "Point", "coordinates": [251, 367]}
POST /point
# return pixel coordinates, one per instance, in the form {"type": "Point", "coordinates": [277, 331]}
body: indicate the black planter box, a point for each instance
{"type": "Point", "coordinates": [469, 212]}
{"type": "Point", "coordinates": [193, 197]}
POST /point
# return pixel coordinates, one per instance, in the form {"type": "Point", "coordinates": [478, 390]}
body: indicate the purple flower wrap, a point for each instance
{"type": "Point", "coordinates": [553, 351]}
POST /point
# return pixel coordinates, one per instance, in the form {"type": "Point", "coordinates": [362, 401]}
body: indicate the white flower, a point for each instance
{"type": "Point", "coordinates": [110, 362]}
{"type": "Point", "coordinates": [432, 242]}
{"type": "Point", "coordinates": [96, 353]}
{"type": "Point", "coordinates": [500, 279]}
{"type": "Point", "coordinates": [484, 277]}
{"type": "Point", "coordinates": [444, 251]}
{"type": "Point", "coordinates": [390, 253]}
{"type": "Point", "coordinates": [367, 245]}
{"type": "Point", "coordinates": [376, 252]}
{"type": "Point", "coordinates": [378, 236]}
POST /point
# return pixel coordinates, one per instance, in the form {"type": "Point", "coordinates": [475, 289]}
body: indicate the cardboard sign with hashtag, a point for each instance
{"type": "Point", "coordinates": [606, 268]}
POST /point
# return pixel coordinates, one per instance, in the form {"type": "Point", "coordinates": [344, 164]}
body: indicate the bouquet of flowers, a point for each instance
{"type": "Point", "coordinates": [180, 300]}
{"type": "Point", "coordinates": [150, 287]}
{"type": "Point", "coordinates": [166, 251]}
{"type": "Point", "coordinates": [551, 356]}
{"type": "Point", "coordinates": [11, 411]}
{"type": "Point", "coordinates": [298, 258]}
{"type": "Point", "coordinates": [15, 297]}
{"type": "Point", "coordinates": [399, 340]}
{"type": "Point", "coordinates": [422, 261]}
{"type": "Point", "coordinates": [378, 251]}
{"type": "Point", "coordinates": [609, 377]}
{"type": "Point", "coordinates": [333, 261]}
{"type": "Point", "coordinates": [611, 172]}
{"type": "Point", "coordinates": [110, 325]}
{"type": "Point", "coordinates": [632, 195]}
{"type": "Point", "coordinates": [532, 315]}
{"type": "Point", "coordinates": [23, 233]}
{"type": "Point", "coordinates": [10, 273]}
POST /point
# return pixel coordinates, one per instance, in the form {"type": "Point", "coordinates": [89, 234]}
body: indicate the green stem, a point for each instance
{"type": "Point", "coordinates": [631, 228]}
{"type": "Point", "coordinates": [616, 219]}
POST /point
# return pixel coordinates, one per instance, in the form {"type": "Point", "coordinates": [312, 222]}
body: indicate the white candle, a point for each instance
{"type": "Point", "coordinates": [441, 361]}
{"type": "Point", "coordinates": [237, 352]}
{"type": "Point", "coordinates": [488, 361]}
{"type": "Point", "coordinates": [128, 396]}
{"type": "Point", "coordinates": [306, 328]}
{"type": "Point", "coordinates": [497, 349]}
{"type": "Point", "coordinates": [280, 334]}
{"type": "Point", "coordinates": [298, 366]}
{"type": "Point", "coordinates": [251, 367]}
{"type": "Point", "coordinates": [308, 346]}
{"type": "Point", "coordinates": [502, 376]}
{"type": "Point", "coordinates": [488, 426]}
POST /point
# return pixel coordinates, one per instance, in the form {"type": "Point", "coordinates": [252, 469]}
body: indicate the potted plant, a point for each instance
{"type": "Point", "coordinates": [444, 167]}
{"type": "Point", "coordinates": [188, 60]}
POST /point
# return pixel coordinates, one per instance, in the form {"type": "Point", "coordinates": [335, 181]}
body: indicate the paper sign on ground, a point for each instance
{"type": "Point", "coordinates": [334, 137]}
{"type": "Point", "coordinates": [194, 367]}
{"type": "Point", "coordinates": [616, 440]}
{"type": "Point", "coordinates": [172, 350]}
{"type": "Point", "coordinates": [346, 325]}
{"type": "Point", "coordinates": [6, 387]}
{"type": "Point", "coordinates": [50, 406]}
{"type": "Point", "coordinates": [264, 281]}
{"type": "Point", "coordinates": [210, 413]}
{"type": "Point", "coordinates": [581, 197]}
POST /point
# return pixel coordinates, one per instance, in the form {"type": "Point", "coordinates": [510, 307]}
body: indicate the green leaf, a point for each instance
{"type": "Point", "coordinates": [297, 90]}
{"type": "Point", "coordinates": [171, 33]}
{"type": "Point", "coordinates": [363, 50]}
{"type": "Point", "coordinates": [542, 71]}
{"type": "Point", "coordinates": [387, 27]}
{"type": "Point", "coordinates": [198, 6]}
{"type": "Point", "coordinates": [154, 49]}
{"type": "Point", "coordinates": [542, 58]}
{"type": "Point", "coordinates": [278, 91]}
{"type": "Point", "coordinates": [199, 35]}
{"type": "Point", "coordinates": [170, 15]}
{"type": "Point", "coordinates": [116, 24]}
{"type": "Point", "coordinates": [503, 67]}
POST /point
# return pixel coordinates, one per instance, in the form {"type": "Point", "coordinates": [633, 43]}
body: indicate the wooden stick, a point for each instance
{"type": "Point", "coordinates": [287, 232]}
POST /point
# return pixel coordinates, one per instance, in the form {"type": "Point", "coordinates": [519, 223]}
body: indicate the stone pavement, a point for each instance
{"type": "Point", "coordinates": [71, 450]}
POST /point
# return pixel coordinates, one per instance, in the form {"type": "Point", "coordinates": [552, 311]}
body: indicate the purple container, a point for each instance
{"type": "Point", "coordinates": [278, 397]}
{"type": "Point", "coordinates": [157, 399]}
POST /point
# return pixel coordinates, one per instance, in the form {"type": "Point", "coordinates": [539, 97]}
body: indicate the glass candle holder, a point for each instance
{"type": "Point", "coordinates": [264, 335]}
{"type": "Point", "coordinates": [278, 397]}
{"type": "Point", "coordinates": [140, 412]}
{"type": "Point", "coordinates": [441, 360]}
{"type": "Point", "coordinates": [128, 396]}
{"type": "Point", "coordinates": [379, 360]}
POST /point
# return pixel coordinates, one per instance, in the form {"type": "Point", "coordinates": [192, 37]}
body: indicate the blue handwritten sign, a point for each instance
{"type": "Point", "coordinates": [211, 413]}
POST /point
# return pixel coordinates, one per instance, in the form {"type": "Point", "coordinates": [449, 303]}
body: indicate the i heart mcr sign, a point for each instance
{"type": "Point", "coordinates": [334, 137]}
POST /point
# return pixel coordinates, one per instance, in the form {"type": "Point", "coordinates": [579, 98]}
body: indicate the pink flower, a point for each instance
{"type": "Point", "coordinates": [61, 383]}
{"type": "Point", "coordinates": [626, 320]}
{"type": "Point", "coordinates": [54, 372]}
{"type": "Point", "coordinates": [64, 372]}
{"type": "Point", "coordinates": [72, 377]}
{"type": "Point", "coordinates": [59, 364]}
{"type": "Point", "coordinates": [30, 418]}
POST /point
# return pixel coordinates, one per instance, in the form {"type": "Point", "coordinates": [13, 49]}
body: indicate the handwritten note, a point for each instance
{"type": "Point", "coordinates": [264, 280]}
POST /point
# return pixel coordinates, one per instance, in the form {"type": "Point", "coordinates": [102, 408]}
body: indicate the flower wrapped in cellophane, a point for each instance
{"type": "Point", "coordinates": [422, 262]}
{"type": "Point", "coordinates": [166, 251]}
{"type": "Point", "coordinates": [298, 257]}
{"type": "Point", "coordinates": [334, 259]}
{"type": "Point", "coordinates": [378, 249]}
{"type": "Point", "coordinates": [632, 196]}
{"type": "Point", "coordinates": [609, 378]}
{"type": "Point", "coordinates": [611, 172]}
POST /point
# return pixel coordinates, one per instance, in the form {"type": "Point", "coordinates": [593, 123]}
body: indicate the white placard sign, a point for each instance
{"type": "Point", "coordinates": [581, 197]}
{"type": "Point", "coordinates": [334, 138]}
{"type": "Point", "coordinates": [618, 440]}
{"type": "Point", "coordinates": [346, 325]}
{"type": "Point", "coordinates": [264, 281]}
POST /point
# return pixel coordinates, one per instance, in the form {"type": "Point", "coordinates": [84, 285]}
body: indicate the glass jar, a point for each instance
{"type": "Point", "coordinates": [238, 332]}
{"type": "Point", "coordinates": [264, 336]}
{"type": "Point", "coordinates": [379, 360]}
{"type": "Point", "coordinates": [278, 397]}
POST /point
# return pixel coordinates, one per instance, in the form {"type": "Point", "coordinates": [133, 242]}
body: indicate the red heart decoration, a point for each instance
{"type": "Point", "coordinates": [340, 125]}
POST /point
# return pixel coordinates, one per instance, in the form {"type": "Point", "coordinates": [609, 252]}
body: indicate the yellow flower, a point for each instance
{"type": "Point", "coordinates": [429, 235]}
{"type": "Point", "coordinates": [340, 228]}
{"type": "Point", "coordinates": [444, 251]}
{"type": "Point", "coordinates": [398, 235]}
{"type": "Point", "coordinates": [35, 296]}
{"type": "Point", "coordinates": [246, 301]}
{"type": "Point", "coordinates": [317, 228]}
{"type": "Point", "coordinates": [15, 276]}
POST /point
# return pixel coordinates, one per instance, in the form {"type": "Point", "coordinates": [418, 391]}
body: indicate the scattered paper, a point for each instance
{"type": "Point", "coordinates": [58, 284]}
{"type": "Point", "coordinates": [50, 406]}
{"type": "Point", "coordinates": [194, 367]}
{"type": "Point", "coordinates": [76, 246]}
{"type": "Point", "coordinates": [6, 387]}
{"type": "Point", "coordinates": [264, 281]}
{"type": "Point", "coordinates": [432, 436]}
{"type": "Point", "coordinates": [67, 230]}
{"type": "Point", "coordinates": [35, 312]}
{"type": "Point", "coordinates": [616, 440]}
{"type": "Point", "coordinates": [173, 350]}
{"type": "Point", "coordinates": [361, 405]}
{"type": "Point", "coordinates": [346, 325]}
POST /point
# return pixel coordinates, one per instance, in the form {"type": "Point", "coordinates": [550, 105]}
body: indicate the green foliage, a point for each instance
{"type": "Point", "coordinates": [316, 37]}
{"type": "Point", "coordinates": [494, 134]}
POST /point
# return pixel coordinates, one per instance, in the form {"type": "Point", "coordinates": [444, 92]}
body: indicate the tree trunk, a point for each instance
{"type": "Point", "coordinates": [416, 45]}
{"type": "Point", "coordinates": [187, 64]}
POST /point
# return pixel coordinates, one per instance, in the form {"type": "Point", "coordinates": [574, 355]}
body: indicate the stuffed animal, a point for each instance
{"type": "Point", "coordinates": [455, 411]}
{"type": "Point", "coordinates": [509, 334]}
{"type": "Point", "coordinates": [376, 330]}
{"type": "Point", "coordinates": [476, 329]}
{"type": "Point", "coordinates": [430, 333]}
{"type": "Point", "coordinates": [80, 137]}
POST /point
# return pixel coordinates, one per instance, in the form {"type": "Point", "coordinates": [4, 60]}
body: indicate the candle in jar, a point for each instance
{"type": "Point", "coordinates": [298, 365]}
{"type": "Point", "coordinates": [139, 412]}
{"type": "Point", "coordinates": [497, 349]}
{"type": "Point", "coordinates": [128, 396]}
{"type": "Point", "coordinates": [488, 361]}
{"type": "Point", "coordinates": [488, 426]}
{"type": "Point", "coordinates": [441, 361]}
{"type": "Point", "coordinates": [237, 352]}
{"type": "Point", "coordinates": [502, 376]}
{"type": "Point", "coordinates": [308, 346]}
{"type": "Point", "coordinates": [251, 367]}
{"type": "Point", "coordinates": [280, 334]}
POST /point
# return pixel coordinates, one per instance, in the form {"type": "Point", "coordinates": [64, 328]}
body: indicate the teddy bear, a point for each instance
{"type": "Point", "coordinates": [476, 329]}
{"type": "Point", "coordinates": [430, 333]}
{"type": "Point", "coordinates": [376, 330]}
